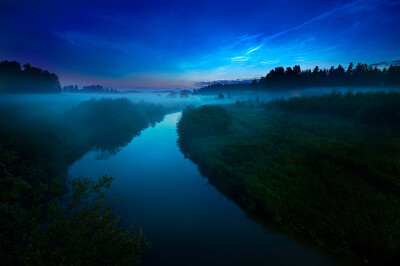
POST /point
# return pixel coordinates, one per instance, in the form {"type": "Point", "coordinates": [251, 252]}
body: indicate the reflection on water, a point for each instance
{"type": "Point", "coordinates": [187, 220]}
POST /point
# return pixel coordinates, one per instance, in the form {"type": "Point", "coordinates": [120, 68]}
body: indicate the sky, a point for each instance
{"type": "Point", "coordinates": [148, 44]}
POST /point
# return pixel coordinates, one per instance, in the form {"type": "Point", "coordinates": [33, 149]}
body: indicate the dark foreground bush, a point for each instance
{"type": "Point", "coordinates": [63, 227]}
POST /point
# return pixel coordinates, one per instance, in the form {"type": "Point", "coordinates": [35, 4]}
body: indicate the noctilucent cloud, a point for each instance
{"type": "Point", "coordinates": [170, 44]}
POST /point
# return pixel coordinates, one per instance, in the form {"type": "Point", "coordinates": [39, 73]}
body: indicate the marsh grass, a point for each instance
{"type": "Point", "coordinates": [332, 179]}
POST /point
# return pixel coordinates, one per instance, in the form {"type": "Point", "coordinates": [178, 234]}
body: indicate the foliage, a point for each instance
{"type": "Point", "coordinates": [83, 232]}
{"type": "Point", "coordinates": [41, 221]}
{"type": "Point", "coordinates": [112, 123]}
{"type": "Point", "coordinates": [29, 79]}
{"type": "Point", "coordinates": [369, 107]}
{"type": "Point", "coordinates": [104, 125]}
{"type": "Point", "coordinates": [330, 179]}
{"type": "Point", "coordinates": [64, 228]}
{"type": "Point", "coordinates": [210, 120]}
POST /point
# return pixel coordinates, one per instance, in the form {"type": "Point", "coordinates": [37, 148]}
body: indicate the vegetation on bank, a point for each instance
{"type": "Point", "coordinates": [109, 124]}
{"type": "Point", "coordinates": [318, 172]}
{"type": "Point", "coordinates": [369, 107]}
{"type": "Point", "coordinates": [43, 221]}
{"type": "Point", "coordinates": [361, 75]}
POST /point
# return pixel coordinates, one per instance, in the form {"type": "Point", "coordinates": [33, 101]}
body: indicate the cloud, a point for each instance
{"type": "Point", "coordinates": [83, 39]}
{"type": "Point", "coordinates": [270, 62]}
{"type": "Point", "coordinates": [349, 7]}
{"type": "Point", "coordinates": [255, 49]}
{"type": "Point", "coordinates": [257, 42]}
{"type": "Point", "coordinates": [240, 59]}
{"type": "Point", "coordinates": [387, 63]}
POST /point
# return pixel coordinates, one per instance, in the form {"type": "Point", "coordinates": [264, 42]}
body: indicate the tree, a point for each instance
{"type": "Point", "coordinates": [350, 69]}
{"type": "Point", "coordinates": [29, 79]}
{"type": "Point", "coordinates": [281, 78]}
{"type": "Point", "coordinates": [340, 69]}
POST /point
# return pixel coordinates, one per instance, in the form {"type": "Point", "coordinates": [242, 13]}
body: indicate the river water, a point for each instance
{"type": "Point", "coordinates": [186, 219]}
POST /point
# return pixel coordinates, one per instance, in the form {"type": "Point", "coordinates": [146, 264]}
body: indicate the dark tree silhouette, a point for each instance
{"type": "Point", "coordinates": [14, 79]}
{"type": "Point", "coordinates": [88, 89]}
{"type": "Point", "coordinates": [277, 79]}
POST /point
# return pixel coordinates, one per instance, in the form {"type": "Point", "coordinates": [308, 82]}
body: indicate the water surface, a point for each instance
{"type": "Point", "coordinates": [186, 219]}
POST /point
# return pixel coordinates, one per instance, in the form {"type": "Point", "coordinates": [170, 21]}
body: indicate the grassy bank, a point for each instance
{"type": "Point", "coordinates": [318, 174]}
{"type": "Point", "coordinates": [42, 221]}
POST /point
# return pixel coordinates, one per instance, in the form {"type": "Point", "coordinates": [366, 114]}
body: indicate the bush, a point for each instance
{"type": "Point", "coordinates": [205, 120]}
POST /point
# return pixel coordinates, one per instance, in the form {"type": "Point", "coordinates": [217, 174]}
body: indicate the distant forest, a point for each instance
{"type": "Point", "coordinates": [362, 75]}
{"type": "Point", "coordinates": [88, 89]}
{"type": "Point", "coordinates": [17, 79]}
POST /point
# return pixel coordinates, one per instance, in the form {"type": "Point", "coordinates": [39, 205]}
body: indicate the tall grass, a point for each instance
{"type": "Point", "coordinates": [331, 179]}
{"type": "Point", "coordinates": [369, 107]}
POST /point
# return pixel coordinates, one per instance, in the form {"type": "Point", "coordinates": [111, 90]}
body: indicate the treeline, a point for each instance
{"type": "Point", "coordinates": [361, 75]}
{"type": "Point", "coordinates": [88, 89]}
{"type": "Point", "coordinates": [17, 79]}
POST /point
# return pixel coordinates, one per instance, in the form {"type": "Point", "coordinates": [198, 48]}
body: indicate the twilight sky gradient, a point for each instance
{"type": "Point", "coordinates": [169, 44]}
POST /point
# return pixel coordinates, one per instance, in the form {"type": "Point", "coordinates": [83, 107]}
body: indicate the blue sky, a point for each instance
{"type": "Point", "coordinates": [170, 44]}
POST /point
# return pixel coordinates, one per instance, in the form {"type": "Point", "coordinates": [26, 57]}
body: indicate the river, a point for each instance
{"type": "Point", "coordinates": [186, 219]}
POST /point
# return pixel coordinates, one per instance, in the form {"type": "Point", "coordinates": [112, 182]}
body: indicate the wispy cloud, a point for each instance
{"type": "Point", "coordinates": [259, 53]}
{"type": "Point", "coordinates": [83, 39]}
{"type": "Point", "coordinates": [270, 62]}
{"type": "Point", "coordinates": [254, 49]}
{"type": "Point", "coordinates": [315, 19]}
{"type": "Point", "coordinates": [387, 63]}
{"type": "Point", "coordinates": [239, 59]}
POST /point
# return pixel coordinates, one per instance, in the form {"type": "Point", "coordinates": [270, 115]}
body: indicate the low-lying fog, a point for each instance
{"type": "Point", "coordinates": [51, 104]}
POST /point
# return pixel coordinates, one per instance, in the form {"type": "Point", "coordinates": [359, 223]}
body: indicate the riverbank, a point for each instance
{"type": "Point", "coordinates": [45, 221]}
{"type": "Point", "coordinates": [327, 178]}
{"type": "Point", "coordinates": [187, 220]}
